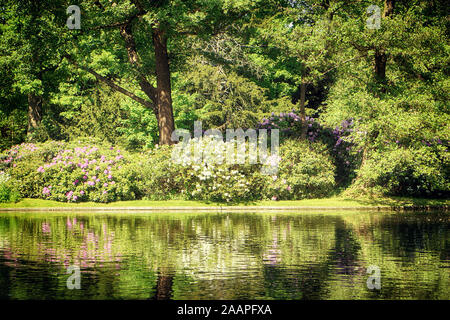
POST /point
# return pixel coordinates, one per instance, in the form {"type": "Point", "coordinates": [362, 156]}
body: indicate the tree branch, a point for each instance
{"type": "Point", "coordinates": [343, 62]}
{"type": "Point", "coordinates": [112, 85]}
{"type": "Point", "coordinates": [108, 26]}
{"type": "Point", "coordinates": [127, 35]}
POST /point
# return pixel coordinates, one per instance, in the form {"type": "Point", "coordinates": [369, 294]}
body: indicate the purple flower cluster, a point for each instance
{"type": "Point", "coordinates": [433, 142]}
{"type": "Point", "coordinates": [72, 171]}
{"type": "Point", "coordinates": [17, 152]}
{"type": "Point", "coordinates": [290, 125]}
{"type": "Point", "coordinates": [341, 132]}
{"type": "Point", "coordinates": [46, 190]}
{"type": "Point", "coordinates": [81, 173]}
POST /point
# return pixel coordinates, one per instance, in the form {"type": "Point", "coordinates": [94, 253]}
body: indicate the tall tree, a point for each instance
{"type": "Point", "coordinates": [380, 54]}
{"type": "Point", "coordinates": [396, 93]}
{"type": "Point", "coordinates": [30, 39]}
{"type": "Point", "coordinates": [299, 45]}
{"type": "Point", "coordinates": [155, 35]}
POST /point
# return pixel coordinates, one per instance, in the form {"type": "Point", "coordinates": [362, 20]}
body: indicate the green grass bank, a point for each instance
{"type": "Point", "coordinates": [327, 203]}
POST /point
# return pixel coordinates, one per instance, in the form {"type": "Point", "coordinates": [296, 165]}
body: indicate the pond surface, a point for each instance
{"type": "Point", "coordinates": [225, 255]}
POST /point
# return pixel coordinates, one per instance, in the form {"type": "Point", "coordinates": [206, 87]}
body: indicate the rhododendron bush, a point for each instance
{"type": "Point", "coordinates": [86, 173]}
{"type": "Point", "coordinates": [338, 140]}
{"type": "Point", "coordinates": [209, 175]}
{"type": "Point", "coordinates": [71, 172]}
{"type": "Point", "coordinates": [88, 170]}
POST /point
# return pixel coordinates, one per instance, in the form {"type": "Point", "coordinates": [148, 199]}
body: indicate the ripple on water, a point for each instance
{"type": "Point", "coordinates": [224, 256]}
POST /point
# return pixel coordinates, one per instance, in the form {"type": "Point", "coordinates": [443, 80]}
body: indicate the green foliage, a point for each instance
{"type": "Point", "coordinates": [88, 173]}
{"type": "Point", "coordinates": [212, 177]}
{"type": "Point", "coordinates": [218, 97]}
{"type": "Point", "coordinates": [406, 172]}
{"type": "Point", "coordinates": [159, 177]}
{"type": "Point", "coordinates": [12, 128]}
{"type": "Point", "coordinates": [22, 161]}
{"type": "Point", "coordinates": [306, 171]}
{"type": "Point", "coordinates": [83, 170]}
{"type": "Point", "coordinates": [223, 183]}
{"type": "Point", "coordinates": [108, 116]}
{"type": "Point", "coordinates": [232, 63]}
{"type": "Point", "coordinates": [7, 192]}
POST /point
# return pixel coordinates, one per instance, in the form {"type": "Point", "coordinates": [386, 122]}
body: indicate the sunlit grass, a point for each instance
{"type": "Point", "coordinates": [335, 202]}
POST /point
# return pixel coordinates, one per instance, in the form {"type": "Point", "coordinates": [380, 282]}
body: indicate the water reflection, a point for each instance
{"type": "Point", "coordinates": [224, 256]}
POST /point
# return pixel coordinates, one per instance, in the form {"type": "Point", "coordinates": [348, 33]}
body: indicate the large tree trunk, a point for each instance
{"type": "Point", "coordinates": [160, 97]}
{"type": "Point", "coordinates": [34, 111]}
{"type": "Point", "coordinates": [380, 54]}
{"type": "Point", "coordinates": [388, 7]}
{"type": "Point", "coordinates": [164, 95]}
{"type": "Point", "coordinates": [380, 64]}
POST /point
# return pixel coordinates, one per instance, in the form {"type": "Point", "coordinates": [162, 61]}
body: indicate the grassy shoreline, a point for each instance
{"type": "Point", "coordinates": [334, 202]}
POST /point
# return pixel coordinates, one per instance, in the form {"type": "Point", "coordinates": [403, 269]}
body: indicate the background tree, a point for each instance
{"type": "Point", "coordinates": [155, 36]}
{"type": "Point", "coordinates": [30, 40]}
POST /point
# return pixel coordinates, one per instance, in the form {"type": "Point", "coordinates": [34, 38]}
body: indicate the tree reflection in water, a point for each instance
{"type": "Point", "coordinates": [224, 256]}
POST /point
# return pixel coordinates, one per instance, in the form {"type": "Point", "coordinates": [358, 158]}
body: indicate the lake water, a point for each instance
{"type": "Point", "coordinates": [225, 255]}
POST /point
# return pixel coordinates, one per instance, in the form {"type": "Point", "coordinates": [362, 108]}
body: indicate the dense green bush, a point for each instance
{"type": "Point", "coordinates": [13, 127]}
{"type": "Point", "coordinates": [306, 171]}
{"type": "Point", "coordinates": [159, 177]}
{"type": "Point", "coordinates": [337, 140]}
{"type": "Point", "coordinates": [406, 172]}
{"type": "Point", "coordinates": [7, 192]}
{"type": "Point", "coordinates": [108, 115]}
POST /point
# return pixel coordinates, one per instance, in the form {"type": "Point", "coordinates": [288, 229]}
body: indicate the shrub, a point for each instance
{"type": "Point", "coordinates": [88, 173]}
{"type": "Point", "coordinates": [7, 192]}
{"type": "Point", "coordinates": [21, 162]}
{"type": "Point", "coordinates": [79, 171]}
{"type": "Point", "coordinates": [305, 171]}
{"type": "Point", "coordinates": [159, 177]}
{"type": "Point", "coordinates": [213, 179]}
{"type": "Point", "coordinates": [89, 170]}
{"type": "Point", "coordinates": [406, 172]}
{"type": "Point", "coordinates": [338, 140]}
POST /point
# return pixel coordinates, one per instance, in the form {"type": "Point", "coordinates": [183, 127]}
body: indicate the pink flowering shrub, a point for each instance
{"type": "Point", "coordinates": [72, 172]}
{"type": "Point", "coordinates": [22, 162]}
{"type": "Point", "coordinates": [87, 173]}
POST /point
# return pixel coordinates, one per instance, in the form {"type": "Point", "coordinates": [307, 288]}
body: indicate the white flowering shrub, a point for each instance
{"type": "Point", "coordinates": [4, 177]}
{"type": "Point", "coordinates": [7, 192]}
{"type": "Point", "coordinates": [209, 175]}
